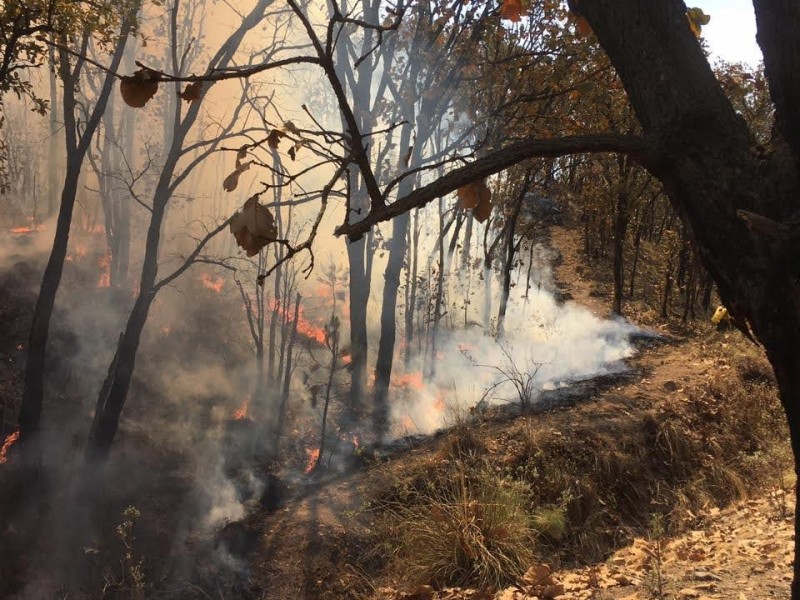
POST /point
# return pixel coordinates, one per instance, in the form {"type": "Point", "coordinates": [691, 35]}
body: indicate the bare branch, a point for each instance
{"type": "Point", "coordinates": [640, 149]}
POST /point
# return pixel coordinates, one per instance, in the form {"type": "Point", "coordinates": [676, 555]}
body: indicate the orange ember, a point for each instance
{"type": "Point", "coordinates": [12, 437]}
{"type": "Point", "coordinates": [77, 254]}
{"type": "Point", "coordinates": [25, 229]}
{"type": "Point", "coordinates": [313, 455]}
{"type": "Point", "coordinates": [166, 330]}
{"type": "Point", "coordinates": [241, 413]}
{"type": "Point", "coordinates": [212, 283]}
{"type": "Point", "coordinates": [105, 276]}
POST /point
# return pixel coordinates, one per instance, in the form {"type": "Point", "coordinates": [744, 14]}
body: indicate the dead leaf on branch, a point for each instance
{"type": "Point", "coordinates": [253, 227]}
{"type": "Point", "coordinates": [697, 18]}
{"type": "Point", "coordinates": [292, 128]}
{"type": "Point", "coordinates": [477, 197]}
{"type": "Point", "coordinates": [274, 138]}
{"type": "Point", "coordinates": [232, 181]}
{"type": "Point", "coordinates": [139, 88]}
{"type": "Point", "coordinates": [512, 10]}
{"type": "Point", "coordinates": [192, 92]}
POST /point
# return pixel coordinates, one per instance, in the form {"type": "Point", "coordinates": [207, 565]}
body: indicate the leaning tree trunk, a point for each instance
{"type": "Point", "coordinates": [114, 392]}
{"type": "Point", "coordinates": [741, 204]}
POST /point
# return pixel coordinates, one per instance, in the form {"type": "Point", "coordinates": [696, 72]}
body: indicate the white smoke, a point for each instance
{"type": "Point", "coordinates": [546, 345]}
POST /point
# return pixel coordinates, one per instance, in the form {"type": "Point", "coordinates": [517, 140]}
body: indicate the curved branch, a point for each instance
{"type": "Point", "coordinates": [640, 149]}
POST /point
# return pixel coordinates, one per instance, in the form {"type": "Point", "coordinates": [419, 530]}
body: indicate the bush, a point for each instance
{"type": "Point", "coordinates": [466, 529]}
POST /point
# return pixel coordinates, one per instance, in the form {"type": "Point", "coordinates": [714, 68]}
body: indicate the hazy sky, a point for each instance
{"type": "Point", "coordinates": [731, 34]}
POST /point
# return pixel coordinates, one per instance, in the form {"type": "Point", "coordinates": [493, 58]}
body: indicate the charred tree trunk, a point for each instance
{"type": "Point", "coordinates": [359, 286]}
{"type": "Point", "coordinates": [383, 364]}
{"type": "Point", "coordinates": [76, 147]}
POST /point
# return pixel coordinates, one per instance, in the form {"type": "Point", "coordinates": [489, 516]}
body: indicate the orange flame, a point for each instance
{"type": "Point", "coordinates": [10, 439]}
{"type": "Point", "coordinates": [304, 327]}
{"type": "Point", "coordinates": [241, 413]}
{"type": "Point", "coordinates": [212, 283]}
{"type": "Point", "coordinates": [105, 276]}
{"type": "Point", "coordinates": [24, 229]}
{"type": "Point", "coordinates": [408, 380]}
{"type": "Point", "coordinates": [313, 455]}
{"type": "Point", "coordinates": [78, 253]}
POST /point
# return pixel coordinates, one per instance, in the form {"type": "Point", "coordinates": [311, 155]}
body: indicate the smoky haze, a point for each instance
{"type": "Point", "coordinates": [207, 397]}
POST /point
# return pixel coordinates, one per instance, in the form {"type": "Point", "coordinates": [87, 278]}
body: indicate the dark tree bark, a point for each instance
{"type": "Point", "coordinates": [510, 248]}
{"type": "Point", "coordinates": [76, 149]}
{"type": "Point", "coordinates": [114, 392]}
{"type": "Point", "coordinates": [741, 206]}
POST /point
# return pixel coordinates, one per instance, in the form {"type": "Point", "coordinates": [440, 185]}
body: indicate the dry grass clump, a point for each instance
{"type": "Point", "coordinates": [466, 528]}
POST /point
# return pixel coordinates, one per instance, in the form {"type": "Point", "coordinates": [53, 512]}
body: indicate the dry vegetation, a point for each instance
{"type": "Point", "coordinates": [571, 486]}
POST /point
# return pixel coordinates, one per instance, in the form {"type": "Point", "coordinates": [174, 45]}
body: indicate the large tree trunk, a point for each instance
{"type": "Point", "coordinates": [741, 204]}
{"type": "Point", "coordinates": [115, 389]}
{"type": "Point", "coordinates": [359, 286]}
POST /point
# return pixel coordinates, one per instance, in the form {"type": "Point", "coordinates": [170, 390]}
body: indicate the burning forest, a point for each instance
{"type": "Point", "coordinates": [296, 298]}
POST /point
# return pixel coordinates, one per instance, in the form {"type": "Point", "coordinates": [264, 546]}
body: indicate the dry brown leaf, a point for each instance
{"type": "Point", "coordinates": [231, 181]}
{"type": "Point", "coordinates": [582, 27]}
{"type": "Point", "coordinates": [537, 575]}
{"type": "Point", "coordinates": [292, 153]}
{"type": "Point", "coordinates": [139, 88]}
{"type": "Point", "coordinates": [192, 92]}
{"type": "Point", "coordinates": [253, 227]}
{"type": "Point", "coordinates": [511, 10]}
{"type": "Point", "coordinates": [274, 137]}
{"type": "Point", "coordinates": [484, 208]}
{"type": "Point", "coordinates": [291, 128]}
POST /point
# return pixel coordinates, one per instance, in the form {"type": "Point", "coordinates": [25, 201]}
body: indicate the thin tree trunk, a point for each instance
{"type": "Point", "coordinates": [621, 218]}
{"type": "Point", "coordinates": [33, 394]}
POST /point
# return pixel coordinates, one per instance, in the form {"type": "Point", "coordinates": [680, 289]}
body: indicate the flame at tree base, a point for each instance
{"type": "Point", "coordinates": [242, 412]}
{"type": "Point", "coordinates": [313, 456]}
{"type": "Point", "coordinates": [10, 439]}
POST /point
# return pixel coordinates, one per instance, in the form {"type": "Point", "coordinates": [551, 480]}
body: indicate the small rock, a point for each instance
{"type": "Point", "coordinates": [552, 591]}
{"type": "Point", "coordinates": [689, 593]}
